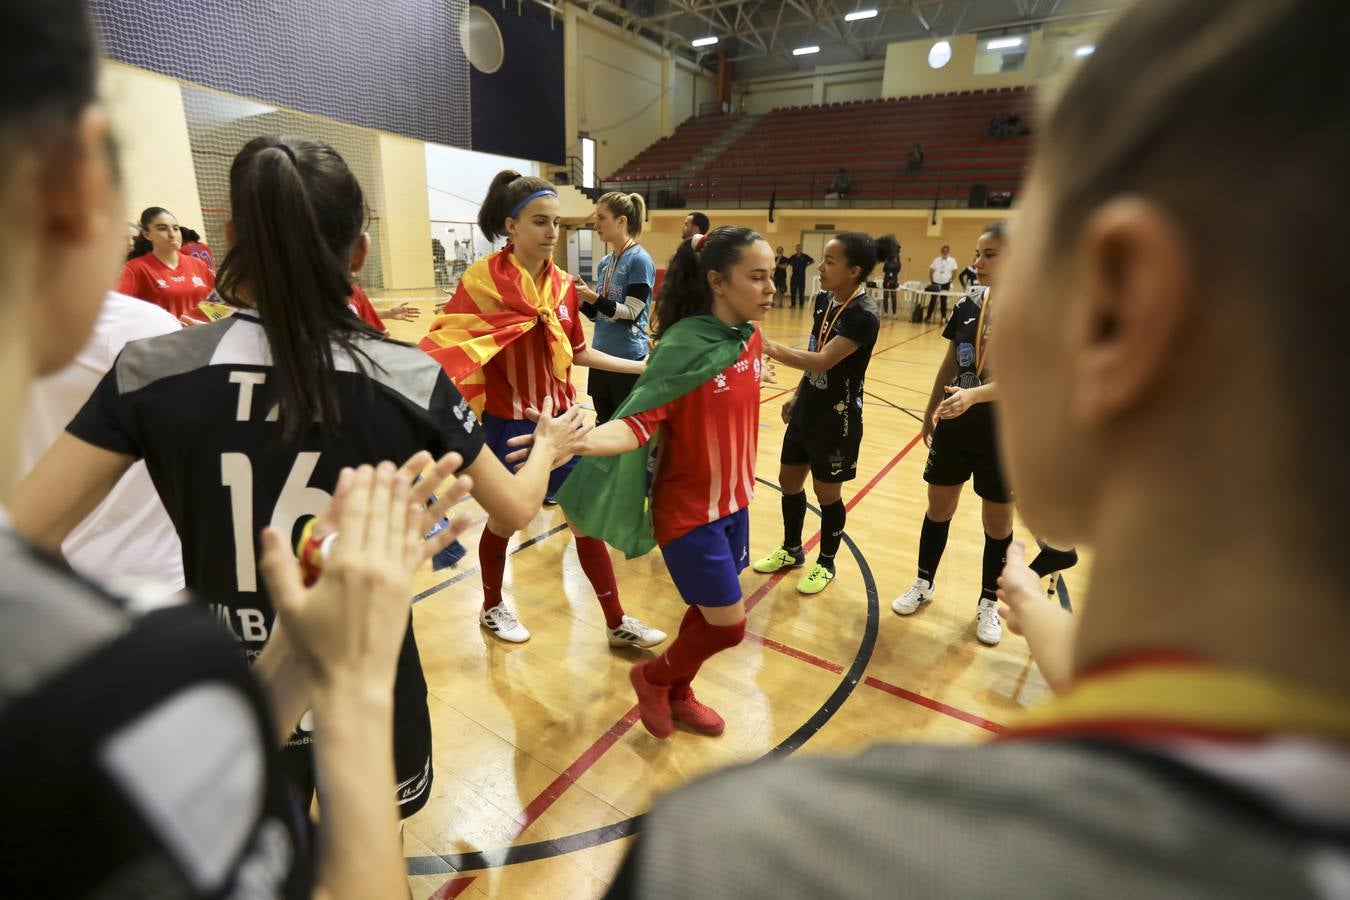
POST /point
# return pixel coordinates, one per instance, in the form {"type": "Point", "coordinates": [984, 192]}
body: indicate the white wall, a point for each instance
{"type": "Point", "coordinates": [822, 84]}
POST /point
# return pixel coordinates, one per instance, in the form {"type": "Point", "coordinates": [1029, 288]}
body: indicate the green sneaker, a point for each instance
{"type": "Point", "coordinates": [816, 580]}
{"type": "Point", "coordinates": [780, 559]}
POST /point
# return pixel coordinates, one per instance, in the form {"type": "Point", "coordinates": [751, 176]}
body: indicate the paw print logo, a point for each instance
{"type": "Point", "coordinates": [720, 383]}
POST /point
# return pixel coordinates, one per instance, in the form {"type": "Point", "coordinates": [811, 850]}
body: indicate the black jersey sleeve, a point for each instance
{"type": "Point", "coordinates": [961, 326]}
{"type": "Point", "coordinates": [454, 426]}
{"type": "Point", "coordinates": [106, 419]}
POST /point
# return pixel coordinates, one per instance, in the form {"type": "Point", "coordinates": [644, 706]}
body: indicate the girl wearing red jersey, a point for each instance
{"type": "Point", "coordinates": [509, 338]}
{"type": "Point", "coordinates": [166, 276]}
{"type": "Point", "coordinates": [702, 390]}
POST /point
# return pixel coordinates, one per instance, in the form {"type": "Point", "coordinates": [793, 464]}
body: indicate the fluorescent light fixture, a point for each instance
{"type": "Point", "coordinates": [704, 42]}
{"type": "Point", "coordinates": [1085, 50]}
{"type": "Point", "coordinates": [939, 54]}
{"type": "Point", "coordinates": [860, 15]}
{"type": "Point", "coordinates": [803, 51]}
{"type": "Point", "coordinates": [588, 162]}
{"type": "Point", "coordinates": [1004, 43]}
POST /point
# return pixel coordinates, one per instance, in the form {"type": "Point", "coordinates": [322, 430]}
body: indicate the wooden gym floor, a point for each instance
{"type": "Point", "coordinates": [541, 765]}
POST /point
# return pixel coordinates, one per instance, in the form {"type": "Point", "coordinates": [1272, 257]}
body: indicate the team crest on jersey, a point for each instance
{"type": "Point", "coordinates": [563, 314]}
{"type": "Point", "coordinates": [759, 366]}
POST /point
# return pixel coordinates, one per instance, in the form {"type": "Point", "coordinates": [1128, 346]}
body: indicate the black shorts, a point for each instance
{"type": "Point", "coordinates": [833, 459]}
{"type": "Point", "coordinates": [608, 390]}
{"type": "Point", "coordinates": [412, 740]}
{"type": "Point", "coordinates": [955, 459]}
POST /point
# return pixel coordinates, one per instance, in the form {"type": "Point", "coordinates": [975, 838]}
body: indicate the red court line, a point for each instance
{"type": "Point", "coordinates": [905, 341]}
{"type": "Point", "coordinates": [573, 773]}
{"type": "Point", "coordinates": [935, 705]}
{"type": "Point", "coordinates": [872, 682]}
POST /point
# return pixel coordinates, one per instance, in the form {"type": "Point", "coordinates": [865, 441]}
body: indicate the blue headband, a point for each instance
{"type": "Point", "coordinates": [526, 202]}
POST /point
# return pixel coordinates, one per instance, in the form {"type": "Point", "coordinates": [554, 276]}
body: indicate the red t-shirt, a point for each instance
{"type": "Point", "coordinates": [520, 375]}
{"type": "Point", "coordinates": [198, 250]}
{"type": "Point", "coordinates": [360, 304]}
{"type": "Point", "coordinates": [176, 290]}
{"type": "Point", "coordinates": [709, 439]}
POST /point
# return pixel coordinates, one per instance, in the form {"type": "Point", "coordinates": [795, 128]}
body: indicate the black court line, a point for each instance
{"type": "Point", "coordinates": [460, 576]}
{"type": "Point", "coordinates": [880, 399]}
{"type": "Point", "coordinates": [584, 840]}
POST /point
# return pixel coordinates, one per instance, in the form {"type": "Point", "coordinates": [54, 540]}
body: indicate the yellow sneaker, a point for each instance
{"type": "Point", "coordinates": [816, 580]}
{"type": "Point", "coordinates": [780, 559]}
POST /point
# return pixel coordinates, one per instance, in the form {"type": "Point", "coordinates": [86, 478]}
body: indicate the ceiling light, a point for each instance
{"type": "Point", "coordinates": [1004, 43]}
{"type": "Point", "coordinates": [1084, 51]}
{"type": "Point", "coordinates": [939, 54]}
{"type": "Point", "coordinates": [803, 51]}
{"type": "Point", "coordinates": [861, 14]}
{"type": "Point", "coordinates": [704, 42]}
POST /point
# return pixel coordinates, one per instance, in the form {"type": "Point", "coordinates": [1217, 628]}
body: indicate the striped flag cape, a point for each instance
{"type": "Point", "coordinates": [608, 497]}
{"type": "Point", "coordinates": [496, 302]}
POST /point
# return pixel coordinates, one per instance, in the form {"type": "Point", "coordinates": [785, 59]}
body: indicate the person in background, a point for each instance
{"type": "Point", "coordinates": [940, 272]}
{"type": "Point", "coordinates": [780, 275]}
{"type": "Point", "coordinates": [620, 308]}
{"type": "Point", "coordinates": [890, 283]}
{"type": "Point", "coordinates": [841, 185]}
{"type": "Point", "coordinates": [914, 160]}
{"type": "Point", "coordinates": [969, 277]}
{"type": "Point", "coordinates": [694, 223]}
{"type": "Point", "coordinates": [799, 262]}
{"type": "Point", "coordinates": [128, 541]}
{"type": "Point", "coordinates": [164, 275]}
{"type": "Point", "coordinates": [193, 246]}
{"type": "Point", "coordinates": [1202, 746]}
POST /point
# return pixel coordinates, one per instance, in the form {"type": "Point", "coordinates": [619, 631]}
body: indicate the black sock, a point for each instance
{"type": "Point", "coordinates": [995, 556]}
{"type": "Point", "coordinates": [932, 541]}
{"type": "Point", "coordinates": [794, 514]}
{"type": "Point", "coordinates": [832, 518]}
{"type": "Point", "coordinates": [1052, 559]}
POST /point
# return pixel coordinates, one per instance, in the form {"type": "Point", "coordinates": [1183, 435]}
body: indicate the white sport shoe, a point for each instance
{"type": "Point", "coordinates": [988, 626]}
{"type": "Point", "coordinates": [919, 593]}
{"type": "Point", "coordinates": [502, 622]}
{"type": "Point", "coordinates": [632, 633]}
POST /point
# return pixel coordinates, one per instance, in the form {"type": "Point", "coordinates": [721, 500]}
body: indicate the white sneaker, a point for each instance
{"type": "Point", "coordinates": [502, 622]}
{"type": "Point", "coordinates": [632, 633]}
{"type": "Point", "coordinates": [919, 593]}
{"type": "Point", "coordinates": [988, 626]}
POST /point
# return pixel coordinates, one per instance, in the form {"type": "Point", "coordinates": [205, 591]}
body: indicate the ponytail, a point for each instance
{"type": "Point", "coordinates": [504, 197]}
{"type": "Point", "coordinates": [685, 290]}
{"type": "Point", "coordinates": [631, 206]}
{"type": "Point", "coordinates": [139, 247]}
{"type": "Point", "coordinates": [298, 211]}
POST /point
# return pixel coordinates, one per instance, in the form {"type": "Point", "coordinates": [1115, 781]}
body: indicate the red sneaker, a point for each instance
{"type": "Point", "coordinates": [653, 702]}
{"type": "Point", "coordinates": [698, 716]}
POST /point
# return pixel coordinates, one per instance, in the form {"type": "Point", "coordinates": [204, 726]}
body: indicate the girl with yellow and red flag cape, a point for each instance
{"type": "Point", "coordinates": [509, 337]}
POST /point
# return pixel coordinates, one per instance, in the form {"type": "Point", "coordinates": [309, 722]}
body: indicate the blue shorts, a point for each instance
{"type": "Point", "coordinates": [706, 563]}
{"type": "Point", "coordinates": [496, 432]}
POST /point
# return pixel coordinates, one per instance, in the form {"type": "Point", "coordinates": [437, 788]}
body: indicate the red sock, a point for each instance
{"type": "Point", "coordinates": [691, 647]}
{"type": "Point", "coordinates": [595, 563]}
{"type": "Point", "coordinates": [492, 564]}
{"type": "Point", "coordinates": [680, 689]}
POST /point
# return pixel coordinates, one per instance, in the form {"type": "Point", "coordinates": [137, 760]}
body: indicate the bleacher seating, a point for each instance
{"type": "Point", "coordinates": [794, 152]}
{"type": "Point", "coordinates": [670, 154]}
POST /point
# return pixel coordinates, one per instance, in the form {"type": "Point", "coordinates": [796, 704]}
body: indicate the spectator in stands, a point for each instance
{"type": "Point", "coordinates": [914, 160]}
{"type": "Point", "coordinates": [695, 223]}
{"type": "Point", "coordinates": [1198, 749]}
{"type": "Point", "coordinates": [940, 272]}
{"type": "Point", "coordinates": [969, 276]}
{"type": "Point", "coordinates": [780, 268]}
{"type": "Point", "coordinates": [841, 186]}
{"type": "Point", "coordinates": [799, 262]}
